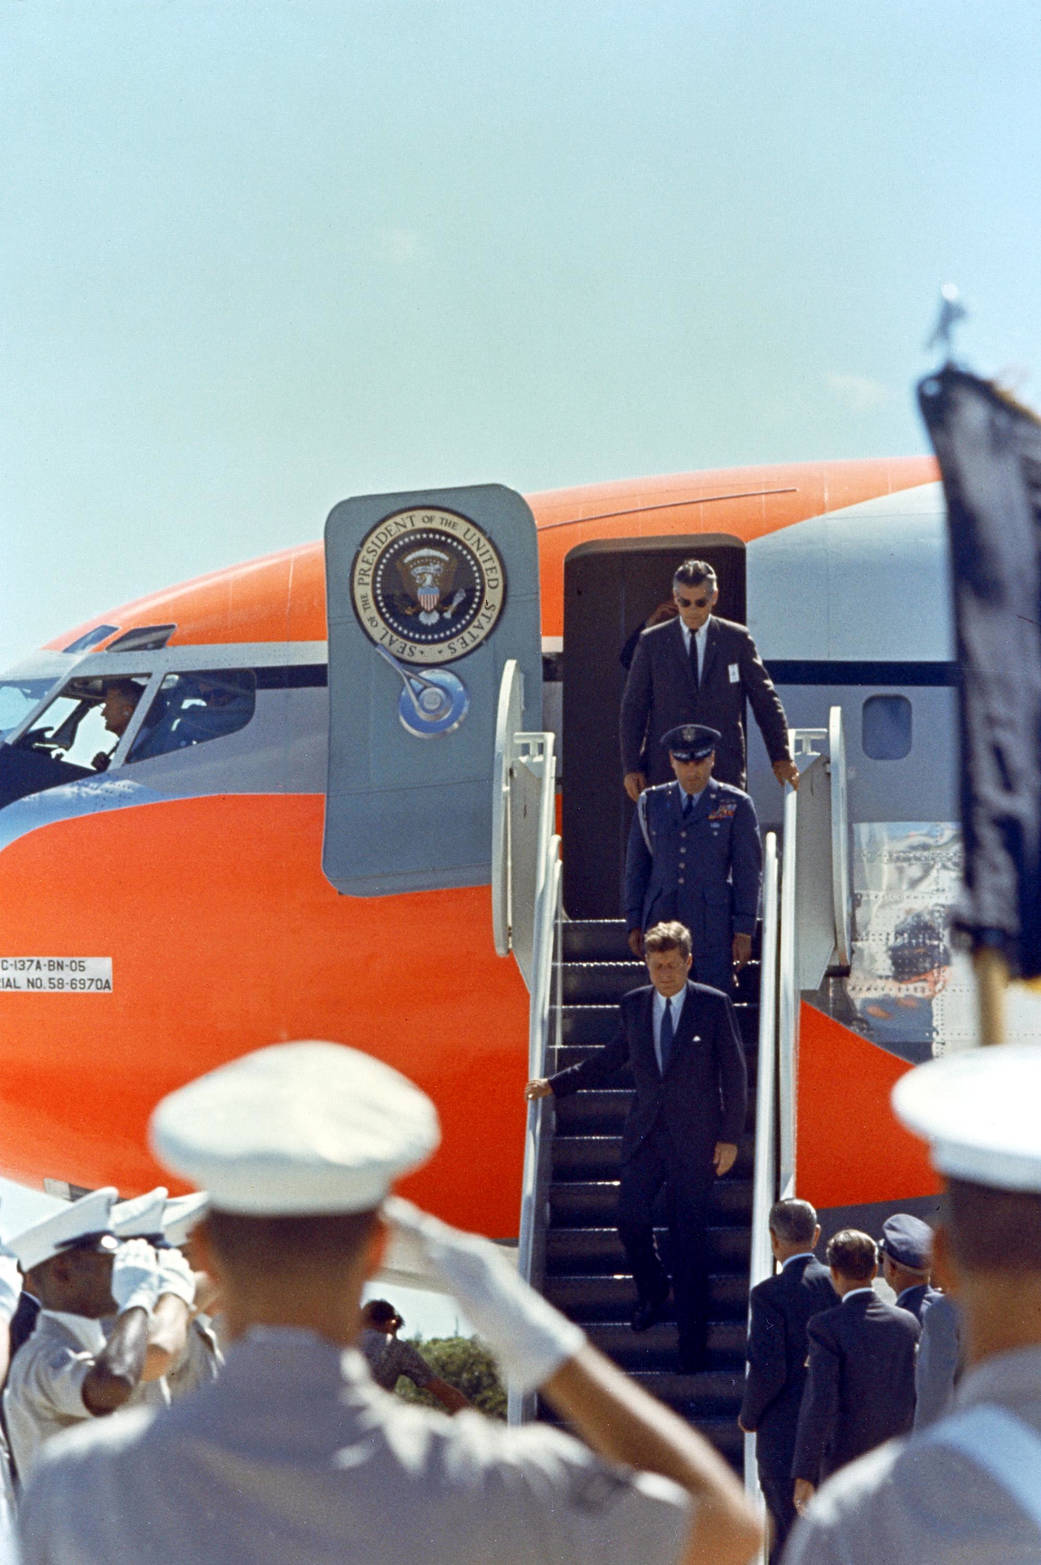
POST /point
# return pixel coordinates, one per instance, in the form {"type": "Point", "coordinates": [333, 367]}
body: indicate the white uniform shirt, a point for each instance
{"type": "Point", "coordinates": [200, 1361]}
{"type": "Point", "coordinates": [294, 1455]}
{"type": "Point", "coordinates": [918, 1500]}
{"type": "Point", "coordinates": [44, 1392]}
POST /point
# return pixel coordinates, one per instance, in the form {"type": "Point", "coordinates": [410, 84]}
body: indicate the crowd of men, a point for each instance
{"type": "Point", "coordinates": [903, 1430]}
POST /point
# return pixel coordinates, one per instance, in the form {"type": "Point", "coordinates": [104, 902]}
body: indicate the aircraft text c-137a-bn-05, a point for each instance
{"type": "Point", "coordinates": [281, 830]}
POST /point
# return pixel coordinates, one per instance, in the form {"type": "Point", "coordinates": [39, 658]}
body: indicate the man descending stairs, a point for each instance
{"type": "Point", "coordinates": [586, 1271]}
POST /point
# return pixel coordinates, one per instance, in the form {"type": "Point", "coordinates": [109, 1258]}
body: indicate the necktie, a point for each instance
{"type": "Point", "coordinates": [688, 800]}
{"type": "Point", "coordinates": [694, 657]}
{"type": "Point", "coordinates": [665, 1036]}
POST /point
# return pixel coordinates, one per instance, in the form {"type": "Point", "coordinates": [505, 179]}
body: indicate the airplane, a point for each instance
{"type": "Point", "coordinates": [167, 818]}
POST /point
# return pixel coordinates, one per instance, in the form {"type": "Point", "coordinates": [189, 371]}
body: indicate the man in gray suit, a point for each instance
{"type": "Point", "coordinates": [698, 668]}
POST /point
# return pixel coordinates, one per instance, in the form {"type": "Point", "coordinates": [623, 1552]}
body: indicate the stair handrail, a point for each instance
{"type": "Point", "coordinates": [764, 1186]}
{"type": "Point", "coordinates": [543, 1016]}
{"type": "Point", "coordinates": [787, 1002]}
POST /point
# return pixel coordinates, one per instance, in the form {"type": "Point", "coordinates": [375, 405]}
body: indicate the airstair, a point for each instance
{"type": "Point", "coordinates": [585, 1272]}
{"type": "Point", "coordinates": [576, 973]}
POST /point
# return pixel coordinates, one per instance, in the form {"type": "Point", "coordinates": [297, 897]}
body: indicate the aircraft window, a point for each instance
{"type": "Point", "coordinates": [886, 728]}
{"type": "Point", "coordinates": [84, 723]}
{"type": "Point", "coordinates": [17, 698]}
{"type": "Point", "coordinates": [193, 708]}
{"type": "Point", "coordinates": [91, 638]}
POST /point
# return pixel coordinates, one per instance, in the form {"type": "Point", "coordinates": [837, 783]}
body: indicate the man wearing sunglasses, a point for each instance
{"type": "Point", "coordinates": [698, 668]}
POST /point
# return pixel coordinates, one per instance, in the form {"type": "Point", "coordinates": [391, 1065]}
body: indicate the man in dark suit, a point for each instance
{"type": "Point", "coordinates": [695, 855]}
{"type": "Point", "coordinates": [860, 1381]}
{"type": "Point", "coordinates": [681, 1044]}
{"type": "Point", "coordinates": [699, 669]}
{"type": "Point", "coordinates": [780, 1309]}
{"type": "Point", "coordinates": [907, 1258]}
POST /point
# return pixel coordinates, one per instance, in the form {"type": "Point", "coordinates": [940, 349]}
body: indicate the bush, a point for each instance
{"type": "Point", "coordinates": [465, 1363]}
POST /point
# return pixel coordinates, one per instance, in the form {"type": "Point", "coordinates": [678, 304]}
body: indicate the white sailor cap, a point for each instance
{"type": "Point", "coordinates": [181, 1215]}
{"type": "Point", "coordinates": [85, 1224]}
{"type": "Point", "coordinates": [978, 1110]}
{"type": "Point", "coordinates": [296, 1128]}
{"type": "Point", "coordinates": [142, 1217]}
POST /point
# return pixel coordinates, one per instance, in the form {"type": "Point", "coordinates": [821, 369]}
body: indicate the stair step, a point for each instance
{"type": "Point", "coordinates": [594, 940]}
{"type": "Point", "coordinates": [599, 1157]}
{"type": "Point", "coordinates": [656, 1348]}
{"type": "Point", "coordinates": [596, 1023]}
{"type": "Point", "coordinates": [601, 1111]}
{"type": "Point", "coordinates": [611, 1297]}
{"type": "Point", "coordinates": [583, 1250]}
{"type": "Point", "coordinates": [720, 1431]}
{"type": "Point", "coordinates": [594, 1203]}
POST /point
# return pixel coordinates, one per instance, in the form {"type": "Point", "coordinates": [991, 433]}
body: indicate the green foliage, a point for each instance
{"type": "Point", "coordinates": [465, 1363]}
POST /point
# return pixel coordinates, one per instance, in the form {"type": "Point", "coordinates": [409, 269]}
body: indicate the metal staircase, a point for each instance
{"type": "Point", "coordinates": [585, 1272]}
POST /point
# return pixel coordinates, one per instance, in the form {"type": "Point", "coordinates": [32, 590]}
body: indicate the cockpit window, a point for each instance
{"type": "Point", "coordinates": [91, 638]}
{"type": "Point", "coordinates": [17, 699]}
{"type": "Point", "coordinates": [192, 708]}
{"type": "Point", "coordinates": [84, 723]}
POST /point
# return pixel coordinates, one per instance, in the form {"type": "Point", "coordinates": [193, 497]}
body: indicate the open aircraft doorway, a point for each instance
{"type": "Point", "coordinates": [611, 591]}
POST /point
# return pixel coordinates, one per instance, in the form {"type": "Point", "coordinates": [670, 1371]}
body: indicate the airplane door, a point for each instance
{"type": "Point", "coordinates": [610, 590]}
{"type": "Point", "coordinates": [428, 594]}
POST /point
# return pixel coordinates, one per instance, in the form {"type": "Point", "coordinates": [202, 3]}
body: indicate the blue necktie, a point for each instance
{"type": "Point", "coordinates": [665, 1037]}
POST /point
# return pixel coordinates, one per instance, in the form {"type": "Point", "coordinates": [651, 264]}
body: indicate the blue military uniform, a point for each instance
{"type": "Point", "coordinates": [703, 869]}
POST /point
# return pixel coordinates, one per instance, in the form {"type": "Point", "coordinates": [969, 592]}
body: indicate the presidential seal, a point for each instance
{"type": "Point", "coordinates": [427, 585]}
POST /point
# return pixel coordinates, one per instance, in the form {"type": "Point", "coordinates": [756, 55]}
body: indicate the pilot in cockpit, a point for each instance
{"type": "Point", "coordinates": [118, 707]}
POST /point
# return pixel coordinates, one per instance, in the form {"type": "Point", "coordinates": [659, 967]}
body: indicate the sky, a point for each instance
{"type": "Point", "coordinates": [258, 257]}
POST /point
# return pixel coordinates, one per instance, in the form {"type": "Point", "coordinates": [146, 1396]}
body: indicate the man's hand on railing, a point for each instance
{"type": "Point", "coordinates": [786, 772]}
{"type": "Point", "coordinates": [741, 951]}
{"type": "Point", "coordinates": [539, 1088]}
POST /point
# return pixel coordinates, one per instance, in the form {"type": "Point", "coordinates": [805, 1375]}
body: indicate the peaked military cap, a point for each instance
{"type": "Point", "coordinates": [85, 1224]}
{"type": "Point", "coordinates": [142, 1217]}
{"type": "Point", "coordinates": [978, 1111]}
{"type": "Point", "coordinates": [181, 1215]}
{"type": "Point", "coordinates": [691, 741]}
{"type": "Point", "coordinates": [907, 1241]}
{"type": "Point", "coordinates": [297, 1128]}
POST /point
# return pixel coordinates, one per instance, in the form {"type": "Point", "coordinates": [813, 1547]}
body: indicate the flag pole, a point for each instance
{"type": "Point", "coordinates": [992, 977]}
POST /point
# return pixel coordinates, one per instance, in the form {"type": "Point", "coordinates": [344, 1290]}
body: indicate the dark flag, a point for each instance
{"type": "Point", "coordinates": [989, 450]}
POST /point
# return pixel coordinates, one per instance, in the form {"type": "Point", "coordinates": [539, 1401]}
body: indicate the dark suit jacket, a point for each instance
{"type": "Point", "coordinates": [702, 1097]}
{"type": "Point", "coordinates": [860, 1384]}
{"type": "Point", "coordinates": [916, 1300]}
{"type": "Point", "coordinates": [781, 1308]}
{"type": "Point", "coordinates": [660, 693]}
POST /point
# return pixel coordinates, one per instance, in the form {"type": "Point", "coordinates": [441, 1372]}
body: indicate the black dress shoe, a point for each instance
{"type": "Point", "coordinates": [690, 1362]}
{"type": "Point", "coordinates": [648, 1313]}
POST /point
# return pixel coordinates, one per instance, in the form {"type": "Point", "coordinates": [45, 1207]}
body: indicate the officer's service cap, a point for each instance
{"type": "Point", "coordinates": [141, 1218]}
{"type": "Point", "coordinates": [907, 1241]}
{"type": "Point", "coordinates": [297, 1128]}
{"type": "Point", "coordinates": [691, 741]}
{"type": "Point", "coordinates": [181, 1215]}
{"type": "Point", "coordinates": [978, 1109]}
{"type": "Point", "coordinates": [85, 1224]}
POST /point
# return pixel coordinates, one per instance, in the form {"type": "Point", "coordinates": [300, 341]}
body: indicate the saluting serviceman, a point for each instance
{"type": "Point", "coordinates": [695, 856]}
{"type": "Point", "coordinates": [70, 1371]}
{"type": "Point", "coordinates": [294, 1454]}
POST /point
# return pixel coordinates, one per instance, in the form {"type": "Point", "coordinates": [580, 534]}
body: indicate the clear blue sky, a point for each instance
{"type": "Point", "coordinates": [258, 256]}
